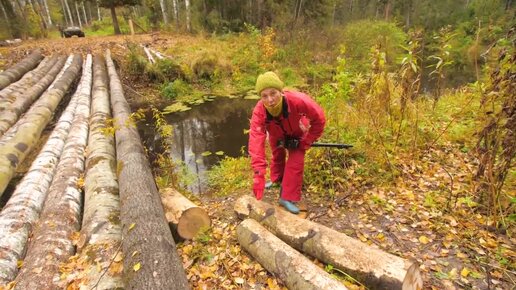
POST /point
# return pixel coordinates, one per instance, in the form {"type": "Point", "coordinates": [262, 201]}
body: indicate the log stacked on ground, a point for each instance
{"type": "Point", "coordinates": [101, 232]}
{"type": "Point", "coordinates": [184, 216]}
{"type": "Point", "coordinates": [373, 267]}
{"type": "Point", "coordinates": [51, 242]}
{"type": "Point", "coordinates": [8, 93]}
{"type": "Point", "coordinates": [291, 267]}
{"type": "Point", "coordinates": [23, 208]}
{"type": "Point", "coordinates": [11, 112]}
{"type": "Point", "coordinates": [14, 151]}
{"type": "Point", "coordinates": [12, 131]}
{"type": "Point", "coordinates": [144, 227]}
{"type": "Point", "coordinates": [18, 70]}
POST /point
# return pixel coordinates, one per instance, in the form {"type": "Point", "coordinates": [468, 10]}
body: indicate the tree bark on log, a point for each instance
{"type": "Point", "coordinates": [291, 267]}
{"type": "Point", "coordinates": [148, 54]}
{"type": "Point", "coordinates": [12, 112]}
{"type": "Point", "coordinates": [144, 227]}
{"type": "Point", "coordinates": [101, 232]}
{"type": "Point", "coordinates": [9, 93]}
{"type": "Point", "coordinates": [15, 72]}
{"type": "Point", "coordinates": [51, 242]}
{"type": "Point", "coordinates": [14, 151]}
{"type": "Point", "coordinates": [9, 134]}
{"type": "Point", "coordinates": [23, 208]}
{"type": "Point", "coordinates": [183, 215]}
{"type": "Point", "coordinates": [371, 266]}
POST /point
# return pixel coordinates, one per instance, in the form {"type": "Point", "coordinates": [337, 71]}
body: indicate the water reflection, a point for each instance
{"type": "Point", "coordinates": [211, 127]}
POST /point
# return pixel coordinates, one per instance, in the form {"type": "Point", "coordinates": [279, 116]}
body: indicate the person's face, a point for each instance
{"type": "Point", "coordinates": [270, 97]}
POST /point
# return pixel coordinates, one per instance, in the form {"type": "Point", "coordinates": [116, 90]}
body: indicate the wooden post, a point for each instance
{"type": "Point", "coordinates": [131, 27]}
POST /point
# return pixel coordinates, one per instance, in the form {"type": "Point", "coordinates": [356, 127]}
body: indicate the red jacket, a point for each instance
{"type": "Point", "coordinates": [298, 108]}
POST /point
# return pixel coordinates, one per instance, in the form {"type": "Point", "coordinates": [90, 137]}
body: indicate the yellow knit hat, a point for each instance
{"type": "Point", "coordinates": [268, 80]}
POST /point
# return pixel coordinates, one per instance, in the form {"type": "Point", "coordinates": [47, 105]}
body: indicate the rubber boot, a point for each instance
{"type": "Point", "coordinates": [288, 205]}
{"type": "Point", "coordinates": [271, 185]}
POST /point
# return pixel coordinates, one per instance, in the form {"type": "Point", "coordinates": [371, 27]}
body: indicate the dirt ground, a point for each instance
{"type": "Point", "coordinates": [456, 247]}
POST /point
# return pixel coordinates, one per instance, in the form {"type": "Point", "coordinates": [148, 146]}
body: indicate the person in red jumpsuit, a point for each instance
{"type": "Point", "coordinates": [292, 121]}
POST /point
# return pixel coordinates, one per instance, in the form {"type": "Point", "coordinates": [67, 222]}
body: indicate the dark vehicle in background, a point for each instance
{"type": "Point", "coordinates": [73, 30]}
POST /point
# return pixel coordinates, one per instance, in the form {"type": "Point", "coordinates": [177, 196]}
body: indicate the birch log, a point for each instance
{"type": "Point", "coordinates": [23, 101]}
{"type": "Point", "coordinates": [23, 208]}
{"type": "Point", "coordinates": [9, 134]}
{"type": "Point", "coordinates": [144, 227]}
{"type": "Point", "coordinates": [101, 232]}
{"type": "Point", "coordinates": [51, 242]}
{"type": "Point", "coordinates": [183, 215]}
{"type": "Point", "coordinates": [15, 72]}
{"type": "Point", "coordinates": [13, 152]}
{"type": "Point", "coordinates": [149, 55]}
{"type": "Point", "coordinates": [371, 266]}
{"type": "Point", "coordinates": [9, 93]}
{"type": "Point", "coordinates": [291, 267]}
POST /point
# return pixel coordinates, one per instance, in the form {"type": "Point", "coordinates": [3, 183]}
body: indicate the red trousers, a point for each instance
{"type": "Point", "coordinates": [288, 170]}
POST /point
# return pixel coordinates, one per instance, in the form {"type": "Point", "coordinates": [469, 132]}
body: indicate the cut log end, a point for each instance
{"type": "Point", "coordinates": [192, 221]}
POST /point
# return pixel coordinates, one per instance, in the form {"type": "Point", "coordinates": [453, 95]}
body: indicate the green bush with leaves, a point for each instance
{"type": "Point", "coordinates": [175, 89]}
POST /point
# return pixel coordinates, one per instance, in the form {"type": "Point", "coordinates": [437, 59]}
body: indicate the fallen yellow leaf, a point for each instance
{"type": "Point", "coordinates": [465, 272]}
{"type": "Point", "coordinates": [424, 240]}
{"type": "Point", "coordinates": [131, 226]}
{"type": "Point", "coordinates": [137, 267]}
{"type": "Point", "coordinates": [239, 280]}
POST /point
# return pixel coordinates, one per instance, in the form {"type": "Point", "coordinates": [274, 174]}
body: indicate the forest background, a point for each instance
{"type": "Point", "coordinates": [423, 89]}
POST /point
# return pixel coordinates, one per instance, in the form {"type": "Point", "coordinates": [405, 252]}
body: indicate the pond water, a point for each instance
{"type": "Point", "coordinates": [216, 127]}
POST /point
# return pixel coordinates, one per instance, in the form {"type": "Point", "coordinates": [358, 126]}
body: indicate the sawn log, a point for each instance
{"type": "Point", "coordinates": [291, 267]}
{"type": "Point", "coordinates": [15, 72]}
{"type": "Point", "coordinates": [371, 266]}
{"type": "Point", "coordinates": [183, 215]}
{"type": "Point", "coordinates": [147, 242]}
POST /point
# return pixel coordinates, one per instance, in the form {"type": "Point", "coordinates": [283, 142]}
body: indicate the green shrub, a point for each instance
{"type": "Point", "coordinates": [204, 66]}
{"type": "Point", "coordinates": [175, 89]}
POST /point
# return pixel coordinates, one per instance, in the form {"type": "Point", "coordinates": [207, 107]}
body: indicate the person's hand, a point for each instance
{"type": "Point", "coordinates": [304, 145]}
{"type": "Point", "coordinates": [258, 185]}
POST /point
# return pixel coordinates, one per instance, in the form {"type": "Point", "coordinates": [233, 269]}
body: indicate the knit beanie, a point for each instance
{"type": "Point", "coordinates": [268, 80]}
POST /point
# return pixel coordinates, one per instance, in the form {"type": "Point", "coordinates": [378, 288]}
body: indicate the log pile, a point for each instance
{"type": "Point", "coordinates": [23, 208]}
{"type": "Point", "coordinates": [14, 151]}
{"type": "Point", "coordinates": [18, 70]}
{"type": "Point", "coordinates": [147, 244]}
{"type": "Point", "coordinates": [51, 242]}
{"type": "Point", "coordinates": [373, 267]}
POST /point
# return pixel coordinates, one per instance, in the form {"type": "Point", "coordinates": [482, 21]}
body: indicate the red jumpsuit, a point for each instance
{"type": "Point", "coordinates": [301, 118]}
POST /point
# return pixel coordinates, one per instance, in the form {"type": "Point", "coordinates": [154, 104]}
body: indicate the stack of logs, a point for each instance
{"type": "Point", "coordinates": [43, 222]}
{"type": "Point", "coordinates": [272, 236]}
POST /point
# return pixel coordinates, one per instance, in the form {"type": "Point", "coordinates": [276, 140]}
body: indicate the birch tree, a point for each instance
{"type": "Point", "coordinates": [15, 72]}
{"type": "Point", "coordinates": [164, 11]}
{"type": "Point", "coordinates": [187, 10]}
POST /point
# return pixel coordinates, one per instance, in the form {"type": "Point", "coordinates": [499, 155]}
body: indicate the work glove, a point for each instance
{"type": "Point", "coordinates": [258, 185]}
{"type": "Point", "coordinates": [304, 144]}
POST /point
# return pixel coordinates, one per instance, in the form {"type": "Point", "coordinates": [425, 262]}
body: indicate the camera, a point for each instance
{"type": "Point", "coordinates": [288, 143]}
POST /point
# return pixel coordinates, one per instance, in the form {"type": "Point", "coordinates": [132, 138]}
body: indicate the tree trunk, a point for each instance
{"type": "Point", "coordinates": [51, 243]}
{"type": "Point", "coordinates": [187, 10]}
{"type": "Point", "coordinates": [84, 14]}
{"type": "Point", "coordinates": [15, 72]}
{"type": "Point", "coordinates": [23, 100]}
{"type": "Point", "coordinates": [78, 15]}
{"type": "Point", "coordinates": [23, 208]}
{"type": "Point", "coordinates": [164, 11]}
{"type": "Point", "coordinates": [15, 150]}
{"type": "Point", "coordinates": [98, 12]}
{"type": "Point", "coordinates": [116, 27]}
{"type": "Point", "coordinates": [69, 12]}
{"type": "Point", "coordinates": [176, 12]}
{"type": "Point", "coordinates": [291, 267]}
{"type": "Point", "coordinates": [49, 19]}
{"type": "Point", "coordinates": [373, 267]}
{"type": "Point", "coordinates": [144, 233]}
{"type": "Point", "coordinates": [101, 233]}
{"type": "Point", "coordinates": [183, 215]}
{"type": "Point", "coordinates": [67, 20]}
